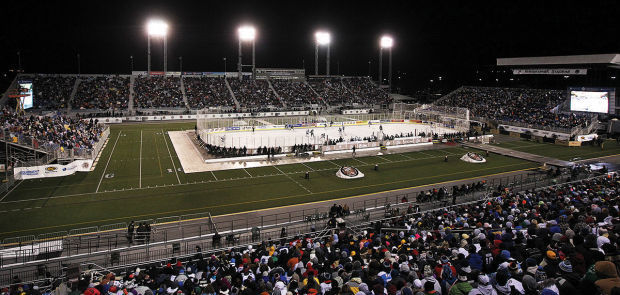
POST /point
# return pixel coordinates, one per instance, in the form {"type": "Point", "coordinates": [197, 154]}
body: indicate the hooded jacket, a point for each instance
{"type": "Point", "coordinates": [606, 270]}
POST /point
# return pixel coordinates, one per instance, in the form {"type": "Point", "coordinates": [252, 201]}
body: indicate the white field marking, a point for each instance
{"type": "Point", "coordinates": [334, 163]}
{"type": "Point", "coordinates": [421, 152]}
{"type": "Point", "coordinates": [402, 154]}
{"type": "Point", "coordinates": [307, 166]}
{"type": "Point", "coordinates": [109, 158]}
{"type": "Point", "coordinates": [214, 176]}
{"type": "Point", "coordinates": [170, 154]}
{"type": "Point", "coordinates": [360, 161]}
{"type": "Point", "coordinates": [384, 158]}
{"type": "Point", "coordinates": [11, 190]}
{"type": "Point", "coordinates": [140, 183]}
{"type": "Point", "coordinates": [183, 184]}
{"type": "Point", "coordinates": [295, 181]}
{"type": "Point", "coordinates": [246, 171]}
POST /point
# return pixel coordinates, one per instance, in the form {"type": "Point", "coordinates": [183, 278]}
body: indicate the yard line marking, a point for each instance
{"type": "Point", "coordinates": [289, 177]}
{"type": "Point", "coordinates": [307, 166]}
{"type": "Point", "coordinates": [246, 171]}
{"type": "Point", "coordinates": [161, 172]}
{"type": "Point", "coordinates": [383, 158]}
{"type": "Point", "coordinates": [421, 152]}
{"type": "Point", "coordinates": [171, 159]}
{"type": "Point", "coordinates": [334, 163]}
{"type": "Point", "coordinates": [405, 156]}
{"type": "Point", "coordinates": [109, 158]}
{"type": "Point", "coordinates": [214, 176]}
{"type": "Point", "coordinates": [360, 161]}
{"type": "Point", "coordinates": [11, 190]}
{"type": "Point", "coordinates": [140, 185]}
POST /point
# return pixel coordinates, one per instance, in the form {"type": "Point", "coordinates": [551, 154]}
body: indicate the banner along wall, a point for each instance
{"type": "Point", "coordinates": [54, 170]}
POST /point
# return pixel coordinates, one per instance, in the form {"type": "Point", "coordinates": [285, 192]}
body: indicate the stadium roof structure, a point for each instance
{"type": "Point", "coordinates": [610, 60]}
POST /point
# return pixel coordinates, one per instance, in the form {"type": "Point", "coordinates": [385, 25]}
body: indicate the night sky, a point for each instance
{"type": "Point", "coordinates": [432, 38]}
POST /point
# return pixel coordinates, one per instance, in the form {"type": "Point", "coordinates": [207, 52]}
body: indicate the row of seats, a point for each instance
{"type": "Point", "coordinates": [112, 92]}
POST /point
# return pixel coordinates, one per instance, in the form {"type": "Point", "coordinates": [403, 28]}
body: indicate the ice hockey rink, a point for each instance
{"type": "Point", "coordinates": [300, 135]}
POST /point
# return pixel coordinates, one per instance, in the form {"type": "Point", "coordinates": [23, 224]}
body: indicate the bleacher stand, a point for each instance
{"type": "Point", "coordinates": [52, 92]}
{"type": "Point", "coordinates": [365, 91]}
{"type": "Point", "coordinates": [561, 240]}
{"type": "Point", "coordinates": [204, 92]}
{"type": "Point", "coordinates": [102, 92]}
{"type": "Point", "coordinates": [53, 132]}
{"type": "Point", "coordinates": [530, 106]}
{"type": "Point", "coordinates": [295, 93]}
{"type": "Point", "coordinates": [332, 91]}
{"type": "Point", "coordinates": [254, 94]}
{"type": "Point", "coordinates": [158, 92]}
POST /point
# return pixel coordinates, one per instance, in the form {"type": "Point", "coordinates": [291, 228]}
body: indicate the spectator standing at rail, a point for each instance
{"type": "Point", "coordinates": [130, 231]}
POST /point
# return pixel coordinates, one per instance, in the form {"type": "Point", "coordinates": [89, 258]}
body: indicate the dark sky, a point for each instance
{"type": "Point", "coordinates": [431, 37]}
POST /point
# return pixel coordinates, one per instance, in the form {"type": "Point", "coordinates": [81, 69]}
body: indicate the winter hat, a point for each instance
{"type": "Point", "coordinates": [551, 255]}
{"type": "Point", "coordinates": [548, 291]}
{"type": "Point", "coordinates": [566, 266]}
{"type": "Point", "coordinates": [483, 279]}
{"type": "Point", "coordinates": [529, 262]}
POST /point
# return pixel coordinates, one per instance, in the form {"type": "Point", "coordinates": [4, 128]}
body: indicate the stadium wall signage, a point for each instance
{"type": "Point", "coordinates": [52, 170]}
{"type": "Point", "coordinates": [550, 71]}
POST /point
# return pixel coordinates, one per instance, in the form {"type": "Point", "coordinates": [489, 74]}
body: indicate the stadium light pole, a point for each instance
{"type": "Point", "coordinates": [157, 28]}
{"type": "Point", "coordinates": [322, 38]}
{"type": "Point", "coordinates": [386, 43]}
{"type": "Point", "coordinates": [131, 63]}
{"type": "Point", "coordinates": [247, 34]}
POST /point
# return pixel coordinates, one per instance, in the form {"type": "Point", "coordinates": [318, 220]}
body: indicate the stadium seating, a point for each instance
{"type": "Point", "coordinates": [254, 94]}
{"type": "Point", "coordinates": [530, 106]}
{"type": "Point", "coordinates": [52, 132]}
{"type": "Point", "coordinates": [102, 92]}
{"type": "Point", "coordinates": [52, 92]}
{"type": "Point", "coordinates": [553, 241]}
{"type": "Point", "coordinates": [158, 92]}
{"type": "Point", "coordinates": [365, 91]}
{"type": "Point", "coordinates": [207, 92]}
{"type": "Point", "coordinates": [295, 93]}
{"type": "Point", "coordinates": [332, 91]}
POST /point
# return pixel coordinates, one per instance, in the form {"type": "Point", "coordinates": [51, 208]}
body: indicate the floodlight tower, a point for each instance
{"type": "Point", "coordinates": [386, 42]}
{"type": "Point", "coordinates": [157, 28]}
{"type": "Point", "coordinates": [247, 34]}
{"type": "Point", "coordinates": [322, 38]}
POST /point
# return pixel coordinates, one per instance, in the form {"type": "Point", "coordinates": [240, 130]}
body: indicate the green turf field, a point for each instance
{"type": "Point", "coordinates": [138, 176]}
{"type": "Point", "coordinates": [610, 147]}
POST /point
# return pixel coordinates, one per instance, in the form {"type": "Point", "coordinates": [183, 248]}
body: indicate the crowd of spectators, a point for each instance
{"type": "Point", "coordinates": [52, 132]}
{"type": "Point", "coordinates": [530, 106]}
{"type": "Point", "coordinates": [253, 94]}
{"type": "Point", "coordinates": [207, 92]}
{"type": "Point", "coordinates": [295, 93]}
{"type": "Point", "coordinates": [158, 92]}
{"type": "Point", "coordinates": [52, 92]}
{"type": "Point", "coordinates": [102, 92]}
{"type": "Point", "coordinates": [561, 240]}
{"type": "Point", "coordinates": [365, 91]}
{"type": "Point", "coordinates": [332, 91]}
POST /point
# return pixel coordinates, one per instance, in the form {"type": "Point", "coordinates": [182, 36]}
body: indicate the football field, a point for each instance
{"type": "Point", "coordinates": [138, 176]}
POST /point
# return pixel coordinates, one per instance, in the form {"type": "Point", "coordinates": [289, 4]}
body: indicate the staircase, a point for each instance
{"type": "Point", "coordinates": [316, 93]}
{"type": "Point", "coordinates": [276, 93]}
{"type": "Point", "coordinates": [183, 92]}
{"type": "Point", "coordinates": [73, 92]}
{"type": "Point", "coordinates": [130, 103]}
{"type": "Point", "coordinates": [349, 90]}
{"type": "Point", "coordinates": [232, 94]}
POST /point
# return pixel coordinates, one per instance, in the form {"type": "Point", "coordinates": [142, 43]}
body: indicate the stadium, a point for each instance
{"type": "Point", "coordinates": [309, 180]}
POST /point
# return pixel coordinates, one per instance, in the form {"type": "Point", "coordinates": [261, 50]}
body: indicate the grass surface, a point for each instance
{"type": "Point", "coordinates": [610, 147]}
{"type": "Point", "coordinates": [138, 176]}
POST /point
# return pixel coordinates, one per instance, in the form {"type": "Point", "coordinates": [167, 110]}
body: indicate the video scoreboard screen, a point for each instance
{"type": "Point", "coordinates": [25, 87]}
{"type": "Point", "coordinates": [593, 100]}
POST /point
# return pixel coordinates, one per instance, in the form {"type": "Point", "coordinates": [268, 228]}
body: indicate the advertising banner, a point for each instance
{"type": "Point", "coordinates": [53, 170]}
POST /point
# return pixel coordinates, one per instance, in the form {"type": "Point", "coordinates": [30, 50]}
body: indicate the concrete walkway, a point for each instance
{"type": "Point", "coordinates": [519, 154]}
